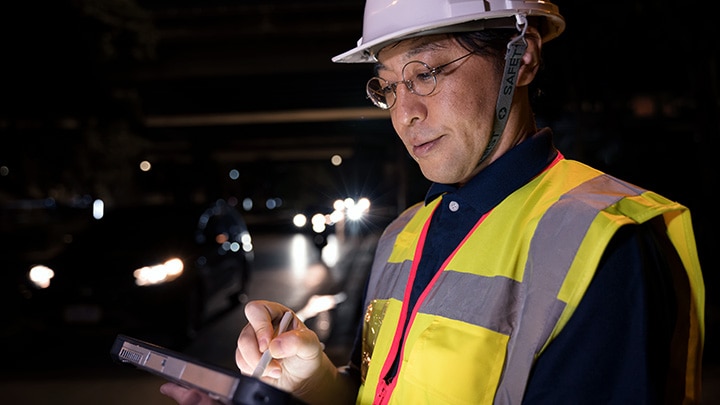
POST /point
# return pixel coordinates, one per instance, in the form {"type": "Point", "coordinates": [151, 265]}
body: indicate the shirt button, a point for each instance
{"type": "Point", "coordinates": [454, 206]}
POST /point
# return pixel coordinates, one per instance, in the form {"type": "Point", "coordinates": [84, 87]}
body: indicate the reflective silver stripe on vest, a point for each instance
{"type": "Point", "coordinates": [492, 295]}
{"type": "Point", "coordinates": [552, 249]}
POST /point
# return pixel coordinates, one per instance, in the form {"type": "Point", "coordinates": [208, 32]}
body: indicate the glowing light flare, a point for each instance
{"type": "Point", "coordinates": [317, 219]}
{"type": "Point", "coordinates": [159, 274]}
{"type": "Point", "coordinates": [356, 211]}
{"type": "Point", "coordinates": [246, 241]}
{"type": "Point", "coordinates": [299, 261]}
{"type": "Point", "coordinates": [41, 275]}
{"type": "Point", "coordinates": [331, 252]}
{"type": "Point", "coordinates": [364, 203]}
{"type": "Point", "coordinates": [299, 220]}
{"type": "Point", "coordinates": [318, 223]}
{"type": "Point", "coordinates": [320, 303]}
{"type": "Point", "coordinates": [98, 209]}
{"type": "Point", "coordinates": [273, 203]}
{"type": "Point", "coordinates": [337, 216]}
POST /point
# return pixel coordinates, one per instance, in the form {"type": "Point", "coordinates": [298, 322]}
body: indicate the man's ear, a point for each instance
{"type": "Point", "coordinates": [531, 58]}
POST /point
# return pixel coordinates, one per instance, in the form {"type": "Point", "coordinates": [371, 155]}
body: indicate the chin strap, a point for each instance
{"type": "Point", "coordinates": [515, 50]}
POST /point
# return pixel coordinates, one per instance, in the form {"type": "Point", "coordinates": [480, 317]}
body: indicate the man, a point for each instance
{"type": "Point", "coordinates": [523, 277]}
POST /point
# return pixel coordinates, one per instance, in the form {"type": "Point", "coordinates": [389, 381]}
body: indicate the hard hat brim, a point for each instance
{"type": "Point", "coordinates": [366, 52]}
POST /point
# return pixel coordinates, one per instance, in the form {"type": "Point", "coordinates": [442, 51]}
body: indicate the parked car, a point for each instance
{"type": "Point", "coordinates": [141, 270]}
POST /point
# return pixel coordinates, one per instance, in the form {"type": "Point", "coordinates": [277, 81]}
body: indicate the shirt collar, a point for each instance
{"type": "Point", "coordinates": [505, 175]}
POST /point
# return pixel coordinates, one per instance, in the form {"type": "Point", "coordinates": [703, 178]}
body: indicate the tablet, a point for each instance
{"type": "Point", "coordinates": [226, 386]}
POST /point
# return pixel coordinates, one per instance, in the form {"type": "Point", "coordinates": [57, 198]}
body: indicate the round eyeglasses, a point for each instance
{"type": "Point", "coordinates": [417, 76]}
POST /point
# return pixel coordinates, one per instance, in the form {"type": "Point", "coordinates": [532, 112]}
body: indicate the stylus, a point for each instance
{"type": "Point", "coordinates": [266, 356]}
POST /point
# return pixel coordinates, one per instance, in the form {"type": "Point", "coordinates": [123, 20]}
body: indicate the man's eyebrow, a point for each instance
{"type": "Point", "coordinates": [377, 68]}
{"type": "Point", "coordinates": [423, 47]}
{"type": "Point", "coordinates": [427, 46]}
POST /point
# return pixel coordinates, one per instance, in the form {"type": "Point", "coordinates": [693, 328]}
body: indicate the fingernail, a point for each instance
{"type": "Point", "coordinates": [275, 373]}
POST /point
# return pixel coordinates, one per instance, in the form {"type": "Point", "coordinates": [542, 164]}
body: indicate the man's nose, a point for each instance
{"type": "Point", "coordinates": [409, 107]}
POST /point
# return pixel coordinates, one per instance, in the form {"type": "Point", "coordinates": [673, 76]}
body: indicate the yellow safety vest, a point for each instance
{"type": "Point", "coordinates": [508, 289]}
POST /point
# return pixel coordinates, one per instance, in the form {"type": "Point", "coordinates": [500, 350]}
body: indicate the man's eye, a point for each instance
{"type": "Point", "coordinates": [424, 76]}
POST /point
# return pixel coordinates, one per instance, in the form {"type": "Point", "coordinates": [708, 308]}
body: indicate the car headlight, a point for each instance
{"type": "Point", "coordinates": [160, 273]}
{"type": "Point", "coordinates": [40, 276]}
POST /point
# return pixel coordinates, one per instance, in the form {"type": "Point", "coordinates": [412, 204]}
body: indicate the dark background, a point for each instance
{"type": "Point", "coordinates": [89, 88]}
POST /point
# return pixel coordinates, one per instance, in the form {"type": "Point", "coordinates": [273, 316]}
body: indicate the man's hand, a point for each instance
{"type": "Point", "coordinates": [299, 365]}
{"type": "Point", "coordinates": [297, 353]}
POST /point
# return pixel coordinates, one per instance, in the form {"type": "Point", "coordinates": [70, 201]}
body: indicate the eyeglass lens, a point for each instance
{"type": "Point", "coordinates": [417, 76]}
{"type": "Point", "coordinates": [380, 92]}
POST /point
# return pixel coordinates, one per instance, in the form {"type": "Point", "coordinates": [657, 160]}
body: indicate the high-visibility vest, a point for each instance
{"type": "Point", "coordinates": [508, 289]}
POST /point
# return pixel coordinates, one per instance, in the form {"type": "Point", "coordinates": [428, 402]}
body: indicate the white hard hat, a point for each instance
{"type": "Point", "coordinates": [388, 21]}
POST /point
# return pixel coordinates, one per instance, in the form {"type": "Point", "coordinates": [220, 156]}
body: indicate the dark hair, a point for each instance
{"type": "Point", "coordinates": [492, 43]}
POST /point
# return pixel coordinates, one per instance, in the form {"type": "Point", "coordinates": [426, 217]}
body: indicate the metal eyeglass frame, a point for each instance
{"type": "Point", "coordinates": [374, 92]}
